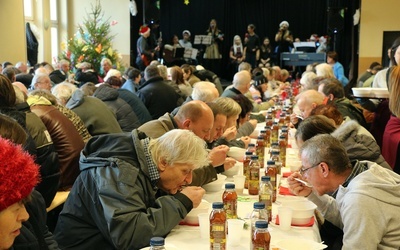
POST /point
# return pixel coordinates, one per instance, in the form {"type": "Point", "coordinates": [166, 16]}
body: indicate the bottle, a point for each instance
{"type": "Point", "coordinates": [229, 198]}
{"type": "Point", "coordinates": [275, 157]}
{"type": "Point", "coordinates": [281, 121]}
{"type": "Point", "coordinates": [261, 238]}
{"type": "Point", "coordinates": [251, 148]}
{"type": "Point", "coordinates": [265, 194]}
{"type": "Point", "coordinates": [254, 175]}
{"type": "Point", "coordinates": [272, 172]}
{"type": "Point", "coordinates": [157, 243]}
{"type": "Point", "coordinates": [246, 166]}
{"type": "Point", "coordinates": [218, 227]}
{"type": "Point", "coordinates": [267, 136]}
{"type": "Point", "coordinates": [274, 147]}
{"type": "Point", "coordinates": [274, 132]}
{"type": "Point", "coordinates": [269, 120]}
{"type": "Point", "coordinates": [282, 150]}
{"type": "Point", "coordinates": [285, 133]}
{"type": "Point", "coordinates": [259, 213]}
{"type": "Point", "coordinates": [260, 151]}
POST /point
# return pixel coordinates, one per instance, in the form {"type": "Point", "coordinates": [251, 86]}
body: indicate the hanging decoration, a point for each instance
{"type": "Point", "coordinates": [186, 2]}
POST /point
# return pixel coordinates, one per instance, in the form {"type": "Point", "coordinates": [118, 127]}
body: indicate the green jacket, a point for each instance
{"type": "Point", "coordinates": [113, 204]}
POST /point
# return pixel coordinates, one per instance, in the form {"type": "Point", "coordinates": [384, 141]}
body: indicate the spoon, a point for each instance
{"type": "Point", "coordinates": [304, 182]}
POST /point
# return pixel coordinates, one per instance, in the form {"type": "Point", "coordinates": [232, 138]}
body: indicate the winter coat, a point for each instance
{"type": "Point", "coordinates": [126, 118]}
{"type": "Point", "coordinates": [158, 97]}
{"type": "Point", "coordinates": [119, 207]}
{"type": "Point", "coordinates": [136, 104]}
{"type": "Point", "coordinates": [98, 118]}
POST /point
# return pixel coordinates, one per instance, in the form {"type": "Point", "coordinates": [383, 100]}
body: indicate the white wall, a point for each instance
{"type": "Point", "coordinates": [12, 30]}
{"type": "Point", "coordinates": [117, 10]}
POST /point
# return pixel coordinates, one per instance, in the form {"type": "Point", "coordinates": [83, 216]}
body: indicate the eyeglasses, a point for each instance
{"type": "Point", "coordinates": [304, 170]}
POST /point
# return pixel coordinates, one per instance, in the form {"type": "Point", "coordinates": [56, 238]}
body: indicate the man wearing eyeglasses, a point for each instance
{"type": "Point", "coordinates": [361, 197]}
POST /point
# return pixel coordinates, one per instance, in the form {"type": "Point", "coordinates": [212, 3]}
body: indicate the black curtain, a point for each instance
{"type": "Point", "coordinates": [305, 18]}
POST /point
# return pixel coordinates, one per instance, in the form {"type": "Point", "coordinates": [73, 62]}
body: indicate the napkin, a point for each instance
{"type": "Point", "coordinates": [286, 174]}
{"type": "Point", "coordinates": [284, 191]}
{"type": "Point", "coordinates": [309, 224]}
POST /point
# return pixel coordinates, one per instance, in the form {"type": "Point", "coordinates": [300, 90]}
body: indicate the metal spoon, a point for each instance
{"type": "Point", "coordinates": [304, 182]}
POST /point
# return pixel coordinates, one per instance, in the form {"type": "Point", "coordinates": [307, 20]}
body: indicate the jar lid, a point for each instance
{"type": "Point", "coordinates": [157, 241]}
{"type": "Point", "coordinates": [259, 205]}
{"type": "Point", "coordinates": [218, 205]}
{"type": "Point", "coordinates": [261, 224]}
{"type": "Point", "coordinates": [229, 185]}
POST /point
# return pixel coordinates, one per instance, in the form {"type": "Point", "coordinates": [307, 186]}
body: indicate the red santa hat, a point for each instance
{"type": "Point", "coordinates": [18, 173]}
{"type": "Point", "coordinates": [143, 29]}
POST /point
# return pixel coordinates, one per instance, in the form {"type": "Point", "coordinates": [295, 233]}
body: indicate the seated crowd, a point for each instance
{"type": "Point", "coordinates": [134, 148]}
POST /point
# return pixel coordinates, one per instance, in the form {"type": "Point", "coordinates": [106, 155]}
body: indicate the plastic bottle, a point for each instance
{"type": "Point", "coordinates": [229, 198]}
{"type": "Point", "coordinates": [157, 243]}
{"type": "Point", "coordinates": [267, 136]}
{"type": "Point", "coordinates": [218, 227]}
{"type": "Point", "coordinates": [272, 173]}
{"type": "Point", "coordinates": [259, 213]}
{"type": "Point", "coordinates": [281, 121]}
{"type": "Point", "coordinates": [261, 238]}
{"type": "Point", "coordinates": [274, 132]}
{"type": "Point", "coordinates": [246, 166]}
{"type": "Point", "coordinates": [265, 194]}
{"type": "Point", "coordinates": [251, 148]}
{"type": "Point", "coordinates": [269, 120]}
{"type": "Point", "coordinates": [254, 175]}
{"type": "Point", "coordinates": [275, 156]}
{"type": "Point", "coordinates": [282, 150]}
{"type": "Point", "coordinates": [260, 151]}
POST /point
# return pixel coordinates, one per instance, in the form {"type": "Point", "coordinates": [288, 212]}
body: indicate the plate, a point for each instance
{"type": "Point", "coordinates": [293, 243]}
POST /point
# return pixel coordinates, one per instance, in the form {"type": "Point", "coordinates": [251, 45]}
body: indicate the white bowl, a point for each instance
{"type": "Point", "coordinates": [299, 244]}
{"type": "Point", "coordinates": [232, 171]}
{"type": "Point", "coordinates": [380, 92]}
{"type": "Point", "coordinates": [216, 185]}
{"type": "Point", "coordinates": [192, 218]}
{"type": "Point", "coordinates": [236, 153]}
{"type": "Point", "coordinates": [303, 210]}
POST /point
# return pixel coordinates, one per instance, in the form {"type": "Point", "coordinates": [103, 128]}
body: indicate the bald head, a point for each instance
{"type": "Point", "coordinates": [308, 100]}
{"type": "Point", "coordinates": [196, 116]}
{"type": "Point", "coordinates": [241, 81]}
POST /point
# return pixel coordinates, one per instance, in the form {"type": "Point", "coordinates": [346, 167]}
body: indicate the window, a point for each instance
{"type": "Point", "coordinates": [54, 29]}
{"type": "Point", "coordinates": [28, 9]}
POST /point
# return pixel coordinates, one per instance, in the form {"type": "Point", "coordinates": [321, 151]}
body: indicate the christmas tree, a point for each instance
{"type": "Point", "coordinates": [92, 42]}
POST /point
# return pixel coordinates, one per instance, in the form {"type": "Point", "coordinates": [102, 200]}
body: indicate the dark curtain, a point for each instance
{"type": "Point", "coordinates": [305, 18]}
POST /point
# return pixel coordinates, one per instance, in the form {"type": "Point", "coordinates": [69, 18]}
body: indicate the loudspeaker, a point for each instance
{"type": "Point", "coordinates": [335, 20]}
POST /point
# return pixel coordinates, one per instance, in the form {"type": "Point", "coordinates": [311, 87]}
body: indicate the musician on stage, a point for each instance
{"type": "Point", "coordinates": [145, 53]}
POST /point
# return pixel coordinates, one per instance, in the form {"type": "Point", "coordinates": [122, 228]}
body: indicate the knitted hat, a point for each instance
{"type": "Point", "coordinates": [284, 22]}
{"type": "Point", "coordinates": [18, 173]}
{"type": "Point", "coordinates": [143, 29]}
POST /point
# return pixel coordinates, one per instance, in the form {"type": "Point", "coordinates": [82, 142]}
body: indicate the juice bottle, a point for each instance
{"type": "Point", "coordinates": [267, 137]}
{"type": "Point", "coordinates": [260, 151]}
{"type": "Point", "coordinates": [229, 198]}
{"type": "Point", "coordinates": [254, 175]}
{"type": "Point", "coordinates": [275, 157]}
{"type": "Point", "coordinates": [246, 166]}
{"type": "Point", "coordinates": [218, 227]}
{"type": "Point", "coordinates": [282, 150]}
{"type": "Point", "coordinates": [274, 132]}
{"type": "Point", "coordinates": [281, 121]}
{"type": "Point", "coordinates": [272, 172]}
{"type": "Point", "coordinates": [261, 238]}
{"type": "Point", "coordinates": [265, 195]}
{"type": "Point", "coordinates": [157, 243]}
{"type": "Point", "coordinates": [259, 213]}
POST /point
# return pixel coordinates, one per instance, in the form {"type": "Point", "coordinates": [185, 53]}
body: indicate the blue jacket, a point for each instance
{"type": "Point", "coordinates": [338, 71]}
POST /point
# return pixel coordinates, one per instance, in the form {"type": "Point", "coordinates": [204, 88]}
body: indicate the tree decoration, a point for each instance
{"type": "Point", "coordinates": [92, 42]}
{"type": "Point", "coordinates": [186, 2]}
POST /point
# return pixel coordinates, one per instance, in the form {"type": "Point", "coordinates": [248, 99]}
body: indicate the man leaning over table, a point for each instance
{"type": "Point", "coordinates": [131, 188]}
{"type": "Point", "coordinates": [367, 204]}
{"type": "Point", "coordinates": [198, 117]}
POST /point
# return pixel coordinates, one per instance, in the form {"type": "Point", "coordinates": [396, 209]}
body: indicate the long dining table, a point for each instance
{"type": "Point", "coordinates": [188, 237]}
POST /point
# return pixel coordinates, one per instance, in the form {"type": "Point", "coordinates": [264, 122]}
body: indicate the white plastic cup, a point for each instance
{"type": "Point", "coordinates": [285, 218]}
{"type": "Point", "coordinates": [239, 183]}
{"type": "Point", "coordinates": [204, 223]}
{"type": "Point", "coordinates": [235, 231]}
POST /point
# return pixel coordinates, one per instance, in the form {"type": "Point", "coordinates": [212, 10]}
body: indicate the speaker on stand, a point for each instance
{"type": "Point", "coordinates": [335, 23]}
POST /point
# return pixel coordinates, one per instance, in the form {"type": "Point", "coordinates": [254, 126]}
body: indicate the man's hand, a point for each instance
{"type": "Point", "coordinates": [195, 194]}
{"type": "Point", "coordinates": [294, 119]}
{"type": "Point", "coordinates": [229, 163]}
{"type": "Point", "coordinates": [246, 140]}
{"type": "Point", "coordinates": [217, 155]}
{"type": "Point", "coordinates": [230, 133]}
{"type": "Point", "coordinates": [296, 187]}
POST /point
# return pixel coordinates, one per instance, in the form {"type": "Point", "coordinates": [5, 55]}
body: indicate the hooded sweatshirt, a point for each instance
{"type": "Point", "coordinates": [367, 209]}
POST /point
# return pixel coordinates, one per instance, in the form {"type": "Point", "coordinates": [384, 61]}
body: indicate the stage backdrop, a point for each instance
{"type": "Point", "coordinates": [305, 17]}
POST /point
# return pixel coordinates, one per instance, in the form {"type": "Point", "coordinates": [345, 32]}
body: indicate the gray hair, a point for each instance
{"type": "Point", "coordinates": [179, 146]}
{"type": "Point", "coordinates": [204, 91]}
{"type": "Point", "coordinates": [328, 149]}
{"type": "Point", "coordinates": [106, 60]}
{"type": "Point", "coordinates": [241, 79]}
{"type": "Point", "coordinates": [38, 78]}
{"type": "Point", "coordinates": [229, 107]}
{"type": "Point", "coordinates": [63, 91]}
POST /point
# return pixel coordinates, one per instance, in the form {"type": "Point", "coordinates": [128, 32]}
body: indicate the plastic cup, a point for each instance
{"type": "Point", "coordinates": [204, 223]}
{"type": "Point", "coordinates": [239, 183]}
{"type": "Point", "coordinates": [285, 218]}
{"type": "Point", "coordinates": [235, 231]}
